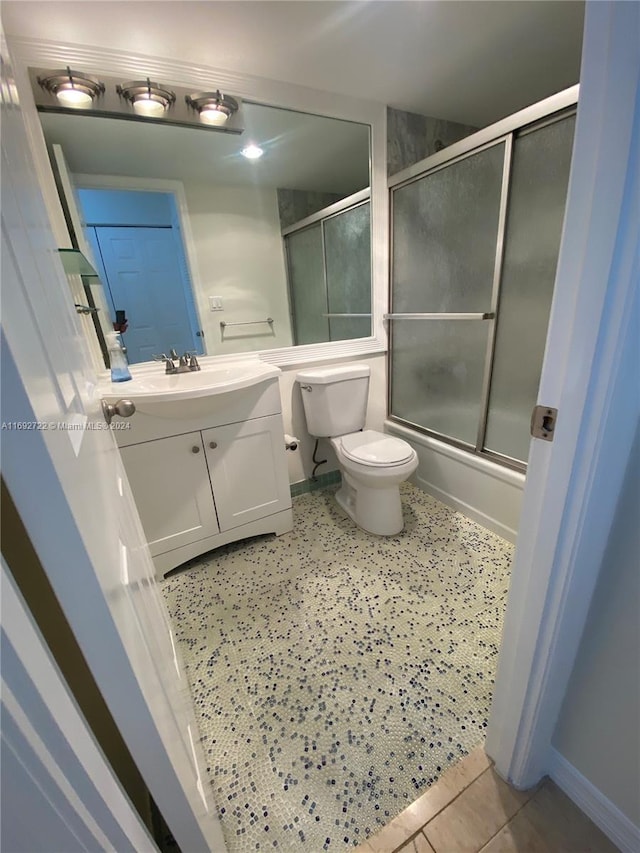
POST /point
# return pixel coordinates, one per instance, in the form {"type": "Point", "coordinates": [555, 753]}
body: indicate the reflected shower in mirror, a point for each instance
{"type": "Point", "coordinates": [209, 251]}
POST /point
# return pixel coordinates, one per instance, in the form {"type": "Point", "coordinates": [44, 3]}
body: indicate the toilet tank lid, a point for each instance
{"type": "Point", "coordinates": [333, 373]}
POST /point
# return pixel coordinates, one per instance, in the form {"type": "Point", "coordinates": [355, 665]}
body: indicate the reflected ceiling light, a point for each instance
{"type": "Point", "coordinates": [213, 107]}
{"type": "Point", "coordinates": [147, 99]}
{"type": "Point", "coordinates": [72, 88]}
{"type": "Point", "coordinates": [252, 152]}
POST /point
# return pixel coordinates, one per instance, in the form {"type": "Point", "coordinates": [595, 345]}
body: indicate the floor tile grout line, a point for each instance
{"type": "Point", "coordinates": [439, 812]}
{"type": "Point", "coordinates": [513, 816]}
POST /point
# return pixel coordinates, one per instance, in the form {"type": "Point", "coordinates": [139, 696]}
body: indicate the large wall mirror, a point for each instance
{"type": "Point", "coordinates": [207, 250]}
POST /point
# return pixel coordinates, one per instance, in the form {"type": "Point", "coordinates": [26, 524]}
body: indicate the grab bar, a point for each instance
{"type": "Point", "coordinates": [441, 316]}
{"type": "Point", "coordinates": [224, 324]}
{"type": "Point", "coordinates": [346, 315]}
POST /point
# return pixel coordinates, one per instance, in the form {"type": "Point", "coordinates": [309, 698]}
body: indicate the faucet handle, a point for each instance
{"type": "Point", "coordinates": [193, 362]}
{"type": "Point", "coordinates": [173, 354]}
{"type": "Point", "coordinates": [161, 357]}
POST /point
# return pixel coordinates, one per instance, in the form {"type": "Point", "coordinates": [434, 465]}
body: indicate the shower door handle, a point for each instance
{"type": "Point", "coordinates": [487, 315]}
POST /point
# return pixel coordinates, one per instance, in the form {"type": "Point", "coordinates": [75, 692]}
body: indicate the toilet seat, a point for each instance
{"type": "Point", "coordinates": [375, 449]}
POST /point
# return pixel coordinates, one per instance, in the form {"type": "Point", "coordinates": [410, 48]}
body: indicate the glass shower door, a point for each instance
{"type": "Point", "coordinates": [347, 240]}
{"type": "Point", "coordinates": [445, 267]}
{"type": "Point", "coordinates": [307, 289]}
{"type": "Point", "coordinates": [329, 275]}
{"type": "Point", "coordinates": [537, 196]}
{"type": "Point", "coordinates": [475, 250]}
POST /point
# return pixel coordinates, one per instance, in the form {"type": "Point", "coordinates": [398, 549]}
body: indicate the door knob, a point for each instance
{"type": "Point", "coordinates": [195, 449]}
{"type": "Point", "coordinates": [213, 445]}
{"type": "Point", "coordinates": [124, 408]}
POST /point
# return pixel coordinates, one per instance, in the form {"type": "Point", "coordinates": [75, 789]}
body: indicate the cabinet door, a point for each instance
{"type": "Point", "coordinates": [171, 487]}
{"type": "Point", "coordinates": [248, 470]}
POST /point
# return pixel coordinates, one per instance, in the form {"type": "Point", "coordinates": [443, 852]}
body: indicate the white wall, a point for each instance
{"type": "Point", "coordinates": [240, 257]}
{"type": "Point", "coordinates": [300, 463]}
{"type": "Point", "coordinates": [599, 727]}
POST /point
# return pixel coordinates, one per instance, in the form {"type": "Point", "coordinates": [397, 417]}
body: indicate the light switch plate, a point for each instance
{"type": "Point", "coordinates": [215, 303]}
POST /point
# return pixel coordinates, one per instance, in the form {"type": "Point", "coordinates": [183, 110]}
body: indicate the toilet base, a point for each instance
{"type": "Point", "coordinates": [376, 510]}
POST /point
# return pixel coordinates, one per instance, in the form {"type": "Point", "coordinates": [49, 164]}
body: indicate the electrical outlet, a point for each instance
{"type": "Point", "coordinates": [215, 303]}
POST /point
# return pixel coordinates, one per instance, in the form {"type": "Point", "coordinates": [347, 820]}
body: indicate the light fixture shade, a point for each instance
{"type": "Point", "coordinates": [73, 89]}
{"type": "Point", "coordinates": [149, 106]}
{"type": "Point", "coordinates": [146, 98]}
{"type": "Point", "coordinates": [214, 108]}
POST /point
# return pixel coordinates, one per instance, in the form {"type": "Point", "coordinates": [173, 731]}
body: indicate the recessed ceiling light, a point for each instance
{"type": "Point", "coordinates": [252, 152]}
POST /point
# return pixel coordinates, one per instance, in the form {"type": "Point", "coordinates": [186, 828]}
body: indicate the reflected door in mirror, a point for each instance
{"type": "Point", "coordinates": [138, 249]}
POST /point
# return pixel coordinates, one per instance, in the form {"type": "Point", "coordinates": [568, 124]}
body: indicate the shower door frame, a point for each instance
{"type": "Point", "coordinates": [553, 109]}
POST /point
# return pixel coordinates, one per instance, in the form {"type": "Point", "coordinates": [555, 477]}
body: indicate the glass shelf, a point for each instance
{"type": "Point", "coordinates": [75, 263]}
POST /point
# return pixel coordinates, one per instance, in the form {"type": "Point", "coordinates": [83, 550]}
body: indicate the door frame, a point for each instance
{"type": "Point", "coordinates": [589, 374]}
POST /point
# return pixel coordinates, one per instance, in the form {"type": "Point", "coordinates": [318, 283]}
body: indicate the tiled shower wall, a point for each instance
{"type": "Point", "coordinates": [294, 205]}
{"type": "Point", "coordinates": [412, 137]}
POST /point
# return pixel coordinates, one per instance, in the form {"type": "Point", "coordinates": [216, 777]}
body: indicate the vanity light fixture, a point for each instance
{"type": "Point", "coordinates": [252, 152]}
{"type": "Point", "coordinates": [214, 108]}
{"type": "Point", "coordinates": [72, 88]}
{"type": "Point", "coordinates": [147, 99]}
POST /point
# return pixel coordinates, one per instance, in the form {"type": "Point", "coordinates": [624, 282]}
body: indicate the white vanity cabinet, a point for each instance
{"type": "Point", "coordinates": [213, 477]}
{"type": "Point", "coordinates": [171, 486]}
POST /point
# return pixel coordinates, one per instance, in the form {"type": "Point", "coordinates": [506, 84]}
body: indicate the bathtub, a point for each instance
{"type": "Point", "coordinates": [479, 488]}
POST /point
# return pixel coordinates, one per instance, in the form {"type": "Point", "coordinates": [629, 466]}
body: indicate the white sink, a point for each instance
{"type": "Point", "coordinates": [170, 388]}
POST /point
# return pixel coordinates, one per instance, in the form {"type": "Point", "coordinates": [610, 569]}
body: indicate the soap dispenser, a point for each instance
{"type": "Point", "coordinates": [119, 368]}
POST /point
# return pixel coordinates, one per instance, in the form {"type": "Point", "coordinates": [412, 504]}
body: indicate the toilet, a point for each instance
{"type": "Point", "coordinates": [372, 464]}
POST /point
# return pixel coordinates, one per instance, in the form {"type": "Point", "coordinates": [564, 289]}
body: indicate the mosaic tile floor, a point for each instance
{"type": "Point", "coordinates": [336, 674]}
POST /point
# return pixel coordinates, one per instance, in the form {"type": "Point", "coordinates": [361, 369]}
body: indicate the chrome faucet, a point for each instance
{"type": "Point", "coordinates": [183, 365]}
{"type": "Point", "coordinates": [186, 362]}
{"type": "Point", "coordinates": [168, 362]}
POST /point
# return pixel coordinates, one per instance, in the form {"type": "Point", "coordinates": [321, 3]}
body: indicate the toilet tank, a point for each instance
{"type": "Point", "coordinates": [335, 398]}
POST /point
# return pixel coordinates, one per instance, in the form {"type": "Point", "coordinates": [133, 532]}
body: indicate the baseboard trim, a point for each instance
{"type": "Point", "coordinates": [608, 817]}
{"type": "Point", "coordinates": [467, 509]}
{"type": "Point", "coordinates": [322, 481]}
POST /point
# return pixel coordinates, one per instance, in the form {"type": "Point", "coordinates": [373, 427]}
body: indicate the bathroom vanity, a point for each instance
{"type": "Point", "coordinates": [205, 458]}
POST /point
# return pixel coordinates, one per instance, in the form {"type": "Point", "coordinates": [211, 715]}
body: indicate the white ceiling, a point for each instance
{"type": "Point", "coordinates": [301, 151]}
{"type": "Point", "coordinates": [472, 61]}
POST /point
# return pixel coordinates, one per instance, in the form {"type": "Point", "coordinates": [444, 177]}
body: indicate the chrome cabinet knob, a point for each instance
{"type": "Point", "coordinates": [213, 444]}
{"type": "Point", "coordinates": [195, 449]}
{"type": "Point", "coordinates": [124, 408]}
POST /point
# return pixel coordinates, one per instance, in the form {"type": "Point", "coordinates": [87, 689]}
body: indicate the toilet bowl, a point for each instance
{"type": "Point", "coordinates": [373, 465]}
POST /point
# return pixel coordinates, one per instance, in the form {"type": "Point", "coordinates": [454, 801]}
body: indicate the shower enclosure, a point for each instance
{"type": "Point", "coordinates": [329, 272]}
{"type": "Point", "coordinates": [475, 241]}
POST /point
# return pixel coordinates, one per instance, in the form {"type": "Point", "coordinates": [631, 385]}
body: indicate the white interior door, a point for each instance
{"type": "Point", "coordinates": [66, 478]}
{"type": "Point", "coordinates": [47, 746]}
